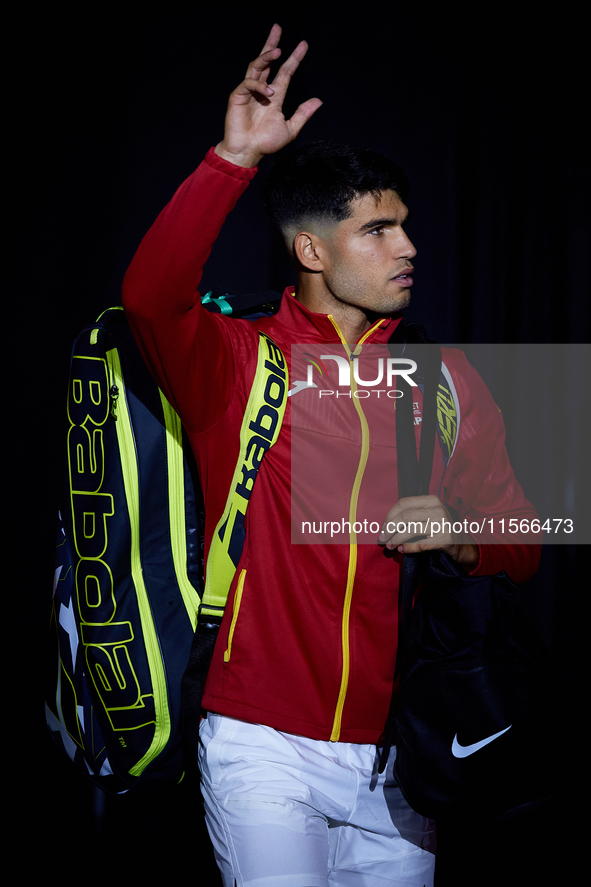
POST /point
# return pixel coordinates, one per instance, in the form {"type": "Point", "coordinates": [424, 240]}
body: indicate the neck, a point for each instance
{"type": "Point", "coordinates": [352, 321]}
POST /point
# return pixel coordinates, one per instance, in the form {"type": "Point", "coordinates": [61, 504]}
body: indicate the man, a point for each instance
{"type": "Point", "coordinates": [301, 678]}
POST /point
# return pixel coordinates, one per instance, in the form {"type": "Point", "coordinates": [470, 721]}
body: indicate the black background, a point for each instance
{"type": "Point", "coordinates": [108, 109]}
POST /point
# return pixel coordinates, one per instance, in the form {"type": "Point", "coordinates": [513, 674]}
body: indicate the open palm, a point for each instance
{"type": "Point", "coordinates": [255, 124]}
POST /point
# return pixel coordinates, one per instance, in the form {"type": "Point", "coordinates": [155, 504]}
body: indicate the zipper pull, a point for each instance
{"type": "Point", "coordinates": [114, 394]}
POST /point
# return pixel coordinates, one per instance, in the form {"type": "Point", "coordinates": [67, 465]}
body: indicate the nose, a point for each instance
{"type": "Point", "coordinates": [405, 248]}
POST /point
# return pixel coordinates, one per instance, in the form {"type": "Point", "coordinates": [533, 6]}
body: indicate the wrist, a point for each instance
{"type": "Point", "coordinates": [246, 159]}
{"type": "Point", "coordinates": [468, 556]}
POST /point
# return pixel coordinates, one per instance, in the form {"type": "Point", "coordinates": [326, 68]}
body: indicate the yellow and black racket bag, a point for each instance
{"type": "Point", "coordinates": [128, 573]}
{"type": "Point", "coordinates": [128, 581]}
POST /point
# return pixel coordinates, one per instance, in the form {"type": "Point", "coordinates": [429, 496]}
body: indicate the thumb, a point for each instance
{"type": "Point", "coordinates": [302, 115]}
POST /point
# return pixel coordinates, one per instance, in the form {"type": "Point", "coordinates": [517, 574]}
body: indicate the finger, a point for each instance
{"type": "Point", "coordinates": [290, 66]}
{"type": "Point", "coordinates": [412, 543]}
{"type": "Point", "coordinates": [405, 525]}
{"type": "Point", "coordinates": [417, 547]}
{"type": "Point", "coordinates": [395, 532]}
{"type": "Point", "coordinates": [302, 115]}
{"type": "Point", "coordinates": [397, 539]}
{"type": "Point", "coordinates": [251, 87]}
{"type": "Point", "coordinates": [259, 69]}
{"type": "Point", "coordinates": [268, 54]}
{"type": "Point", "coordinates": [418, 509]}
{"type": "Point", "coordinates": [427, 501]}
{"type": "Point", "coordinates": [273, 39]}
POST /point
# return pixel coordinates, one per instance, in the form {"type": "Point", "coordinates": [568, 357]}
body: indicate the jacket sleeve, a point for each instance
{"type": "Point", "coordinates": [480, 484]}
{"type": "Point", "coordinates": [185, 347]}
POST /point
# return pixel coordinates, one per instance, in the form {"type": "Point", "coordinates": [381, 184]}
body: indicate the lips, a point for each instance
{"type": "Point", "coordinates": [405, 278]}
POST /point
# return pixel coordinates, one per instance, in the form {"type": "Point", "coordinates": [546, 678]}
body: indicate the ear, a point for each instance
{"type": "Point", "coordinates": [308, 249]}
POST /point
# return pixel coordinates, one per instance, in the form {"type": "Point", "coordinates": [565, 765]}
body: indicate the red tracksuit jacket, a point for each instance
{"type": "Point", "coordinates": [308, 644]}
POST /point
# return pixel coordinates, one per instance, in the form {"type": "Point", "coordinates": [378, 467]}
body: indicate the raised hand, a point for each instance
{"type": "Point", "coordinates": [255, 124]}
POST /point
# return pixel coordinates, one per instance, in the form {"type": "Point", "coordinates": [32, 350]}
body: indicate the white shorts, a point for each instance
{"type": "Point", "coordinates": [285, 811]}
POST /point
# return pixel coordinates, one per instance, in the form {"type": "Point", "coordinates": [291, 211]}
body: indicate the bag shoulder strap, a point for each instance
{"type": "Point", "coordinates": [414, 470]}
{"type": "Point", "coordinates": [414, 476]}
{"type": "Point", "coordinates": [407, 337]}
{"type": "Point", "coordinates": [262, 421]}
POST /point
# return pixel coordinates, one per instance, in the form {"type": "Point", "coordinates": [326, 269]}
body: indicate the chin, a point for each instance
{"type": "Point", "coordinates": [399, 303]}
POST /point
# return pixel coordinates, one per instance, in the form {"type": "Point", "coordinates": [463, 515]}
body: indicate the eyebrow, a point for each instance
{"type": "Point", "coordinates": [382, 223]}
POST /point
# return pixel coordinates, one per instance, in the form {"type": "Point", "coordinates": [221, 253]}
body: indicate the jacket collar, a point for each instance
{"type": "Point", "coordinates": [319, 326]}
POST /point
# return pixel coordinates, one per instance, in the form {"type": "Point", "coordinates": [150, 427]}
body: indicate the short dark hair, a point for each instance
{"type": "Point", "coordinates": [320, 180]}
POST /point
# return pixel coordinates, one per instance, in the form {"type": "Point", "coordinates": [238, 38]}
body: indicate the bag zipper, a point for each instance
{"type": "Point", "coordinates": [127, 449]}
{"type": "Point", "coordinates": [235, 610]}
{"type": "Point", "coordinates": [176, 497]}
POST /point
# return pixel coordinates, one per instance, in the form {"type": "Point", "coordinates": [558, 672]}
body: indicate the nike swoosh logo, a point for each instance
{"type": "Point", "coordinates": [464, 751]}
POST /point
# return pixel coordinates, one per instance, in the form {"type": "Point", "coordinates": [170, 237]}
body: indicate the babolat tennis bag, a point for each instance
{"type": "Point", "coordinates": [129, 561]}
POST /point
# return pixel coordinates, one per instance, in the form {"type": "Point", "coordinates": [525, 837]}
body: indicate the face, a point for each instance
{"type": "Point", "coordinates": [367, 258]}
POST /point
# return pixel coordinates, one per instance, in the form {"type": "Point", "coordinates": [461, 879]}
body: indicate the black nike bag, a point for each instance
{"type": "Point", "coordinates": [473, 719]}
{"type": "Point", "coordinates": [475, 685]}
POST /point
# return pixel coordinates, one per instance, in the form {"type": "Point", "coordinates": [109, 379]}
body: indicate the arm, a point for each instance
{"type": "Point", "coordinates": [479, 485]}
{"type": "Point", "coordinates": [160, 293]}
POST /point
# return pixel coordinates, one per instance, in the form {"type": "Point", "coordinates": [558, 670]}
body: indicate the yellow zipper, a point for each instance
{"type": "Point", "coordinates": [176, 496]}
{"type": "Point", "coordinates": [336, 726]}
{"type": "Point", "coordinates": [162, 724]}
{"type": "Point", "coordinates": [236, 608]}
